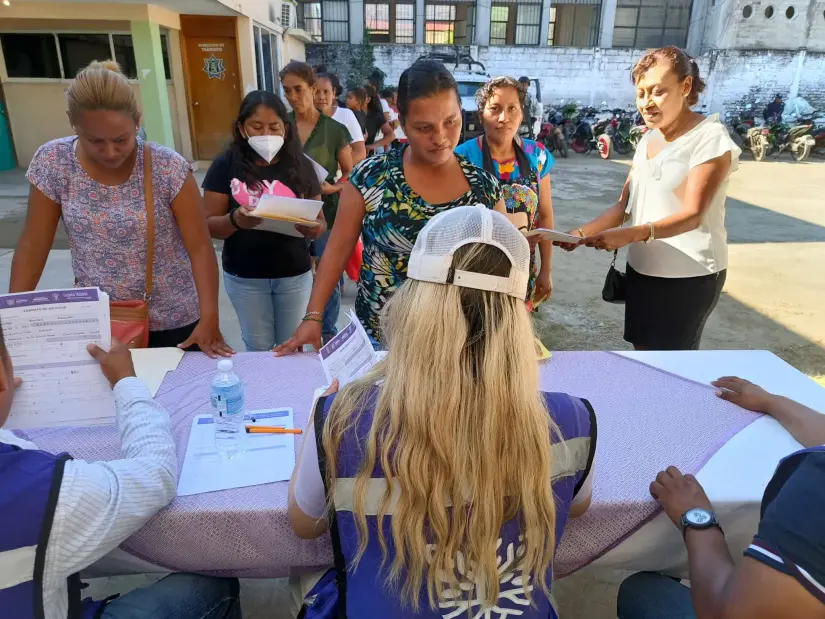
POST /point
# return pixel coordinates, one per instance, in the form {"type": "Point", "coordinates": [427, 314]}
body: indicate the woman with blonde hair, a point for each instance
{"type": "Point", "coordinates": [448, 475]}
{"type": "Point", "coordinates": [94, 180]}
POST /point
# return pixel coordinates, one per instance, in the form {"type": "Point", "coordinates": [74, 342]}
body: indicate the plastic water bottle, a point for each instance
{"type": "Point", "coordinates": [227, 410]}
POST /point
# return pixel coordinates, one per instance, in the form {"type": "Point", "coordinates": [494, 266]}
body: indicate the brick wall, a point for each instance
{"type": "Point", "coordinates": [734, 77]}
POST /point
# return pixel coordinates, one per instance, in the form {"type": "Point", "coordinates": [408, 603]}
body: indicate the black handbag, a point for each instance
{"type": "Point", "coordinates": [615, 284]}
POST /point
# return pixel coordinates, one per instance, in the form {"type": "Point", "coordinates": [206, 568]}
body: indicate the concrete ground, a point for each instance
{"type": "Point", "coordinates": [773, 300]}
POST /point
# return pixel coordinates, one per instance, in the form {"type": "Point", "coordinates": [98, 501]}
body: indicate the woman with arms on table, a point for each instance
{"type": "Point", "coordinates": [521, 166]}
{"type": "Point", "coordinates": [94, 180]}
{"type": "Point", "coordinates": [389, 198]}
{"type": "Point", "coordinates": [675, 196]}
{"type": "Point", "coordinates": [267, 275]}
{"type": "Point", "coordinates": [327, 89]}
{"type": "Point", "coordinates": [327, 142]}
{"type": "Point", "coordinates": [476, 468]}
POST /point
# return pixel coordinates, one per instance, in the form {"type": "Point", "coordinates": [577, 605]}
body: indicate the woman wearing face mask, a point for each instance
{"type": "Point", "coordinates": [377, 122]}
{"type": "Point", "coordinates": [521, 166]}
{"type": "Point", "coordinates": [327, 142]}
{"type": "Point", "coordinates": [267, 275]}
{"type": "Point", "coordinates": [675, 197]}
{"type": "Point", "coordinates": [389, 198]}
{"type": "Point", "coordinates": [327, 88]}
{"type": "Point", "coordinates": [94, 181]}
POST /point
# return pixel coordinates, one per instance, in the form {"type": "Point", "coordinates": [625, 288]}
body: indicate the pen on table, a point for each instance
{"type": "Point", "coordinates": [272, 430]}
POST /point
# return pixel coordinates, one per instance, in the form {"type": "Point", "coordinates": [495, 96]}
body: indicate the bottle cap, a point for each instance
{"type": "Point", "coordinates": [225, 365]}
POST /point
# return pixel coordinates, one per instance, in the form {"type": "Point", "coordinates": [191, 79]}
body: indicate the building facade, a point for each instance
{"type": "Point", "coordinates": [748, 50]}
{"type": "Point", "coordinates": [190, 61]}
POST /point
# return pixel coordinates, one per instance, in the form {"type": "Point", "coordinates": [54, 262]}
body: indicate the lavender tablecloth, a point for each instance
{"type": "Point", "coordinates": [648, 419]}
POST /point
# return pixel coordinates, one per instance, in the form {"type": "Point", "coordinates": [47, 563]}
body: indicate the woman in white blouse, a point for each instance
{"type": "Point", "coordinates": [674, 205]}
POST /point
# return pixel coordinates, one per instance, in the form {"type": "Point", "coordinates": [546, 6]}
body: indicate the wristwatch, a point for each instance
{"type": "Point", "coordinates": [698, 519]}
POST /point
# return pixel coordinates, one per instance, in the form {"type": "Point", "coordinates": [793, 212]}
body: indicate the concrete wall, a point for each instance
{"type": "Point", "coordinates": [733, 77]}
{"type": "Point", "coordinates": [46, 102]}
{"type": "Point", "coordinates": [728, 28]}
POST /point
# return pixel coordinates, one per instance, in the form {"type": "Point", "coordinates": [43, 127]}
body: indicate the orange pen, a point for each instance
{"type": "Point", "coordinates": [272, 430]}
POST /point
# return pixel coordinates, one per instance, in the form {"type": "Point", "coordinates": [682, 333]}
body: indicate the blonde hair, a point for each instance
{"type": "Point", "coordinates": [461, 429]}
{"type": "Point", "coordinates": [101, 86]}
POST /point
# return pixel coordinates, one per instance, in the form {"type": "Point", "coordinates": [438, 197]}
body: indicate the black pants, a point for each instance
{"type": "Point", "coordinates": [669, 313]}
{"type": "Point", "coordinates": [172, 337]}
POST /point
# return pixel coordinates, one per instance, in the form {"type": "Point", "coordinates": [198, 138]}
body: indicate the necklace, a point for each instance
{"type": "Point", "coordinates": [675, 133]}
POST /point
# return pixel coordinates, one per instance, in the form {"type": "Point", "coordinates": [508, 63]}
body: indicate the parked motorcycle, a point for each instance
{"type": "Point", "coordinates": [620, 133]}
{"type": "Point", "coordinates": [551, 134]}
{"type": "Point", "coordinates": [591, 133]}
{"type": "Point", "coordinates": [795, 138]}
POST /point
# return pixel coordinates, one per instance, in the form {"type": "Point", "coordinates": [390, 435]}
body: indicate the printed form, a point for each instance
{"type": "Point", "coordinates": [349, 355]}
{"type": "Point", "coordinates": [46, 334]}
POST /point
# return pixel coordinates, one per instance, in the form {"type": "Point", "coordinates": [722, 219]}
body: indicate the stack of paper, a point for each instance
{"type": "Point", "coordinates": [281, 214]}
{"type": "Point", "coordinates": [46, 334]}
{"type": "Point", "coordinates": [153, 364]}
{"type": "Point", "coordinates": [266, 458]}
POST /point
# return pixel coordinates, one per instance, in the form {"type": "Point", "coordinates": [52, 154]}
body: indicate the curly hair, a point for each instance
{"type": "Point", "coordinates": [679, 60]}
{"type": "Point", "coordinates": [488, 89]}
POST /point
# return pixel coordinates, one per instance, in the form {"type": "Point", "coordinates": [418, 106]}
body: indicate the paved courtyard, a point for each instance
{"type": "Point", "coordinates": [773, 299]}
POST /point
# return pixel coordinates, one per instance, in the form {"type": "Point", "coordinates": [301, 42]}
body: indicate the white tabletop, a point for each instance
{"type": "Point", "coordinates": [736, 476]}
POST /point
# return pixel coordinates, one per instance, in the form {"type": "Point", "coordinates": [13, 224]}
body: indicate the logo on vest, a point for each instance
{"type": "Point", "coordinates": [470, 594]}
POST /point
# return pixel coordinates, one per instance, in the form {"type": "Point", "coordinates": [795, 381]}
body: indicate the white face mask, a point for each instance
{"type": "Point", "coordinates": [267, 146]}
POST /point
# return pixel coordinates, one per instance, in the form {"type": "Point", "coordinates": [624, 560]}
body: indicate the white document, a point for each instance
{"type": "Point", "coordinates": [553, 235]}
{"type": "Point", "coordinates": [153, 364]}
{"type": "Point", "coordinates": [46, 334]}
{"type": "Point", "coordinates": [265, 458]}
{"type": "Point", "coordinates": [320, 171]}
{"type": "Point", "coordinates": [281, 214]}
{"type": "Point", "coordinates": [349, 355]}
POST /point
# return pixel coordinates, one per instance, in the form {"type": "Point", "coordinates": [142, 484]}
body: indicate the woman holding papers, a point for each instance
{"type": "Point", "coordinates": [389, 198]}
{"type": "Point", "coordinates": [267, 275]}
{"type": "Point", "coordinates": [449, 475]}
{"type": "Point", "coordinates": [95, 181]}
{"type": "Point", "coordinates": [328, 143]}
{"type": "Point", "coordinates": [674, 198]}
{"type": "Point", "coordinates": [521, 166]}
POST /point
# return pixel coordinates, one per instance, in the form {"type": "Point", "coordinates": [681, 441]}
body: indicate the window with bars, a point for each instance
{"type": "Point", "coordinates": [62, 55]}
{"type": "Point", "coordinates": [515, 22]}
{"type": "Point", "coordinates": [311, 14]}
{"type": "Point", "coordinates": [449, 23]}
{"type": "Point", "coordinates": [286, 15]}
{"type": "Point", "coordinates": [574, 23]}
{"type": "Point", "coordinates": [651, 23]}
{"type": "Point", "coordinates": [266, 59]}
{"type": "Point", "coordinates": [390, 22]}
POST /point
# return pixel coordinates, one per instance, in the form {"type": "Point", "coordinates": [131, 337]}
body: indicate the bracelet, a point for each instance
{"type": "Point", "coordinates": [652, 236]}
{"type": "Point", "coordinates": [313, 314]}
{"type": "Point", "coordinates": [232, 219]}
{"type": "Point", "coordinates": [581, 232]}
{"type": "Point", "coordinates": [311, 319]}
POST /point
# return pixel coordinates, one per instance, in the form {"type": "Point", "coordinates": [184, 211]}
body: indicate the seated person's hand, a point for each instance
{"type": "Point", "coordinates": [743, 393]}
{"type": "Point", "coordinates": [678, 493]}
{"type": "Point", "coordinates": [115, 364]}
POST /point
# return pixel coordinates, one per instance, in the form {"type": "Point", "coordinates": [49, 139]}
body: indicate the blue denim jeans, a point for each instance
{"type": "Point", "coordinates": [269, 310]}
{"type": "Point", "coordinates": [333, 306]}
{"type": "Point", "coordinates": [180, 596]}
{"type": "Point", "coordinates": [648, 595]}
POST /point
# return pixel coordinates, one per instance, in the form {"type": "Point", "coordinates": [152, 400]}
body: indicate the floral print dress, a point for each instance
{"type": "Point", "coordinates": [395, 215]}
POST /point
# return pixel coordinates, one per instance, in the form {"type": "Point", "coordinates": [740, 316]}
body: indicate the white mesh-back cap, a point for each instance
{"type": "Point", "coordinates": [431, 259]}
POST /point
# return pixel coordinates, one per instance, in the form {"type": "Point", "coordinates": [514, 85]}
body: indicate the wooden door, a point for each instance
{"type": "Point", "coordinates": [215, 92]}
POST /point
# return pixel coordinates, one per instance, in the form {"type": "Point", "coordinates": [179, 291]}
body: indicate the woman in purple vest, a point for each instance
{"type": "Point", "coordinates": [436, 466]}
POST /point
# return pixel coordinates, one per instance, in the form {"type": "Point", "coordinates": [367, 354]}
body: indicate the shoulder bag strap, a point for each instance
{"type": "Point", "coordinates": [150, 220]}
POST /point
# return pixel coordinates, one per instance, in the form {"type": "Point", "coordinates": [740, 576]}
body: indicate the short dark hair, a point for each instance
{"type": "Point", "coordinates": [299, 69]}
{"type": "Point", "coordinates": [359, 93]}
{"type": "Point", "coordinates": [524, 79]}
{"type": "Point", "coordinates": [333, 81]}
{"type": "Point", "coordinates": [484, 93]}
{"type": "Point", "coordinates": [425, 78]}
{"type": "Point", "coordinates": [388, 92]}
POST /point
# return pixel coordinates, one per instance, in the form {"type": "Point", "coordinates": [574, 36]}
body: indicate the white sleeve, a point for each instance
{"type": "Point", "coordinates": [385, 106]}
{"type": "Point", "coordinates": [351, 123]}
{"type": "Point", "coordinates": [102, 503]}
{"type": "Point", "coordinates": [309, 486]}
{"type": "Point", "coordinates": [586, 489]}
{"type": "Point", "coordinates": [714, 142]}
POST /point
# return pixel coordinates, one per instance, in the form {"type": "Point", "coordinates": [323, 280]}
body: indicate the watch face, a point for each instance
{"type": "Point", "coordinates": [698, 516]}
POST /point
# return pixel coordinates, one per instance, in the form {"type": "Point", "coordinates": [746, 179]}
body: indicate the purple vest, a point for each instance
{"type": "Point", "coordinates": [29, 488]}
{"type": "Point", "coordinates": [363, 592]}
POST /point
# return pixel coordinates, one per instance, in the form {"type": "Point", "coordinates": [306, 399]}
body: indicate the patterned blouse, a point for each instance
{"type": "Point", "coordinates": [106, 226]}
{"type": "Point", "coordinates": [395, 215]}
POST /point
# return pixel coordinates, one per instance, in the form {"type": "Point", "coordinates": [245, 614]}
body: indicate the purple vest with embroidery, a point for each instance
{"type": "Point", "coordinates": [363, 592]}
{"type": "Point", "coordinates": [29, 488]}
